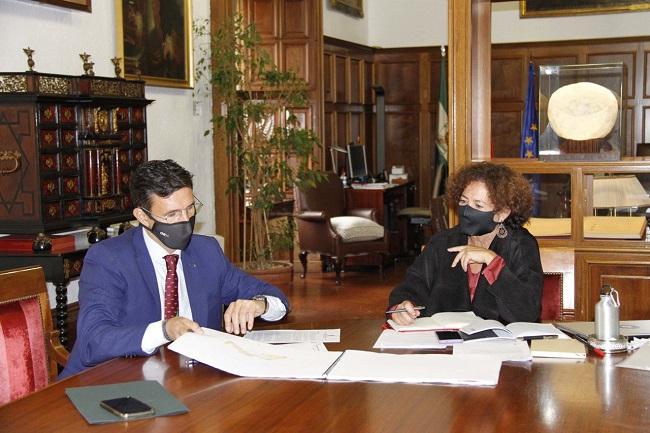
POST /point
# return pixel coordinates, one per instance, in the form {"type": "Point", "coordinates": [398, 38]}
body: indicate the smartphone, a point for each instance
{"type": "Point", "coordinates": [127, 407]}
{"type": "Point", "coordinates": [449, 337]}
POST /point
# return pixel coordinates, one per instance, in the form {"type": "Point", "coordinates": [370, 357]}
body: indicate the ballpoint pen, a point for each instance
{"type": "Point", "coordinates": [403, 310]}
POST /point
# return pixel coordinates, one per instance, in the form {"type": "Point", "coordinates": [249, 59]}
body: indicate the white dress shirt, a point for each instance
{"type": "Point", "coordinates": [153, 336]}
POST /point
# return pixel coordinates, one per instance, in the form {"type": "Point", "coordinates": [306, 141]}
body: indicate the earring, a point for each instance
{"type": "Point", "coordinates": [502, 232]}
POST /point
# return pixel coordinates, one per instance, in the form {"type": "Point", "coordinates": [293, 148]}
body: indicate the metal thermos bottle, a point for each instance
{"type": "Point", "coordinates": [607, 314]}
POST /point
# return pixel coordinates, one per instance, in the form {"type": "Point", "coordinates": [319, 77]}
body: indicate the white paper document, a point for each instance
{"type": "Point", "coordinates": [248, 358]}
{"type": "Point", "coordinates": [314, 347]}
{"type": "Point", "coordinates": [503, 350]}
{"type": "Point", "coordinates": [296, 336]}
{"type": "Point", "coordinates": [639, 360]}
{"type": "Point", "coordinates": [391, 339]}
{"type": "Point", "coordinates": [418, 368]}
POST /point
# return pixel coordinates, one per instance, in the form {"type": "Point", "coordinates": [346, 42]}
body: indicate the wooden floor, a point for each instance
{"type": "Point", "coordinates": [363, 294]}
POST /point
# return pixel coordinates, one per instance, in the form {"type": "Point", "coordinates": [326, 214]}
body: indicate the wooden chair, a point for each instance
{"type": "Point", "coordinates": [29, 347]}
{"type": "Point", "coordinates": [552, 296]}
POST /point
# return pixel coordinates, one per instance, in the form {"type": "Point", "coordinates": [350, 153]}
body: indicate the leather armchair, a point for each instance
{"type": "Point", "coordinates": [314, 209]}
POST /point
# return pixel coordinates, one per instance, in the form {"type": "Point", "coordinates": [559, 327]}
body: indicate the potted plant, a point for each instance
{"type": "Point", "coordinates": [271, 151]}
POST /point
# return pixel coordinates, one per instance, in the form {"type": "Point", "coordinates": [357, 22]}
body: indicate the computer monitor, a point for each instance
{"type": "Point", "coordinates": [357, 161]}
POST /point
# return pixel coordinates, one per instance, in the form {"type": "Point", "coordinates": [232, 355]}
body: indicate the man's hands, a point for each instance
{"type": "Point", "coordinates": [177, 326]}
{"type": "Point", "coordinates": [240, 315]}
{"type": "Point", "coordinates": [406, 317]}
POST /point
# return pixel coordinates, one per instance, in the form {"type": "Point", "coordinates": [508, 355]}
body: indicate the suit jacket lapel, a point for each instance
{"type": "Point", "coordinates": [195, 290]}
{"type": "Point", "coordinates": [145, 265]}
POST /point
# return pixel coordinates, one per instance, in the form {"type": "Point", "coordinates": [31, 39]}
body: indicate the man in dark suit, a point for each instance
{"type": "Point", "coordinates": [155, 282]}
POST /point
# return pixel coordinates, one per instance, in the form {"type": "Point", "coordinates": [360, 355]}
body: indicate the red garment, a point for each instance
{"type": "Point", "coordinates": [491, 273]}
{"type": "Point", "coordinates": [171, 287]}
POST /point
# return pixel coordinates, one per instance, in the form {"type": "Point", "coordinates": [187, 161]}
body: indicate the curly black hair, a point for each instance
{"type": "Point", "coordinates": [507, 189]}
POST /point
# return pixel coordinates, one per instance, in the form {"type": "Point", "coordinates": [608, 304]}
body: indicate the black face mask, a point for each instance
{"type": "Point", "coordinates": [474, 222]}
{"type": "Point", "coordinates": [173, 235]}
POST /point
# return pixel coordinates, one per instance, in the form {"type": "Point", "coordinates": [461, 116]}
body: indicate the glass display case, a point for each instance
{"type": "Point", "coordinates": [580, 112]}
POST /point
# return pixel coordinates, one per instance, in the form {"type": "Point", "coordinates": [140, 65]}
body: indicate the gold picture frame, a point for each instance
{"type": "Point", "coordinates": [547, 8]}
{"type": "Point", "coordinates": [350, 7]}
{"type": "Point", "coordinates": [162, 55]}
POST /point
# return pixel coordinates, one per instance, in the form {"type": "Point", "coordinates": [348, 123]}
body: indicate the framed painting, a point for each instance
{"type": "Point", "coordinates": [154, 41]}
{"type": "Point", "coordinates": [547, 8]}
{"type": "Point", "coordinates": [84, 5]}
{"type": "Point", "coordinates": [350, 7]}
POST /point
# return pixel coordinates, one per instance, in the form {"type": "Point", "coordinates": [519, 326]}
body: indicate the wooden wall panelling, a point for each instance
{"type": "Point", "coordinates": [646, 69]}
{"type": "Point", "coordinates": [368, 80]}
{"type": "Point", "coordinates": [295, 19]}
{"type": "Point", "coordinates": [356, 81]}
{"type": "Point", "coordinates": [264, 14]}
{"type": "Point", "coordinates": [291, 31]}
{"type": "Point", "coordinates": [340, 79]}
{"type": "Point", "coordinates": [399, 73]}
{"type": "Point", "coordinates": [295, 57]}
{"type": "Point", "coordinates": [629, 273]}
{"type": "Point", "coordinates": [328, 77]}
{"type": "Point", "coordinates": [645, 138]}
{"type": "Point", "coordinates": [410, 78]}
{"type": "Point", "coordinates": [426, 145]}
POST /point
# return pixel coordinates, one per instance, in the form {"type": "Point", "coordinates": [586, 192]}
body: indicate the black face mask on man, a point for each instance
{"type": "Point", "coordinates": [173, 235]}
{"type": "Point", "coordinates": [474, 222]}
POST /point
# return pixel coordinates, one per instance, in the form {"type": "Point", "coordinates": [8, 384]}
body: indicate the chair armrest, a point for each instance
{"type": "Point", "coordinates": [59, 352]}
{"type": "Point", "coordinates": [364, 213]}
{"type": "Point", "coordinates": [317, 216]}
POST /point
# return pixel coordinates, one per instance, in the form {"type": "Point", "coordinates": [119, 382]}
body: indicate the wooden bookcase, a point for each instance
{"type": "Point", "coordinates": [625, 264]}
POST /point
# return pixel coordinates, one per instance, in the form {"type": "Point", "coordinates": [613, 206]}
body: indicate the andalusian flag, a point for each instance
{"type": "Point", "coordinates": [529, 130]}
{"type": "Point", "coordinates": [443, 128]}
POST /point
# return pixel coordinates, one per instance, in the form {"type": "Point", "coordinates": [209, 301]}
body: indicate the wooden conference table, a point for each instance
{"type": "Point", "coordinates": [560, 396]}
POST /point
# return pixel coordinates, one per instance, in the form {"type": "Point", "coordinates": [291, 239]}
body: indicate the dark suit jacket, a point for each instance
{"type": "Point", "coordinates": [514, 297]}
{"type": "Point", "coordinates": [118, 295]}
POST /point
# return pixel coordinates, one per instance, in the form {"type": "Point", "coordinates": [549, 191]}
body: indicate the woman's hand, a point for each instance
{"type": "Point", "coordinates": [468, 254]}
{"type": "Point", "coordinates": [406, 317]}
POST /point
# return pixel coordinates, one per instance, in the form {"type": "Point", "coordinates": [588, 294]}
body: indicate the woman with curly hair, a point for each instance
{"type": "Point", "coordinates": [488, 264]}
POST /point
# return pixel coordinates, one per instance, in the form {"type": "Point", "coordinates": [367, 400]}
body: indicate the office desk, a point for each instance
{"type": "Point", "coordinates": [564, 396]}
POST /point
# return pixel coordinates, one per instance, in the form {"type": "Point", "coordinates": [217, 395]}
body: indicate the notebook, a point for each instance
{"type": "Point", "coordinates": [572, 349]}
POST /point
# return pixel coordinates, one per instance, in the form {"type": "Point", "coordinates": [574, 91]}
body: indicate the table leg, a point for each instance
{"type": "Point", "coordinates": [62, 311]}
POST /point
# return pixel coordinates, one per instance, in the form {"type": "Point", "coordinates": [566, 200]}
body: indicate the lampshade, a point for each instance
{"type": "Point", "coordinates": [619, 191]}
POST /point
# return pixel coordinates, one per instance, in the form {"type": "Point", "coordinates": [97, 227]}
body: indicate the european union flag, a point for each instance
{"type": "Point", "coordinates": [529, 130]}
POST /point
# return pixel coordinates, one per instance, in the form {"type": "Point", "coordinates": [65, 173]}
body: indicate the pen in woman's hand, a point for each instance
{"type": "Point", "coordinates": [404, 310]}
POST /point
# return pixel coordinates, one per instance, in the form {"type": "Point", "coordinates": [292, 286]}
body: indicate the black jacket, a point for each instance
{"type": "Point", "coordinates": [514, 297]}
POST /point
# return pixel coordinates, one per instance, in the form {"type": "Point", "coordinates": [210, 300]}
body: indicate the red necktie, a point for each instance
{"type": "Point", "coordinates": [171, 287]}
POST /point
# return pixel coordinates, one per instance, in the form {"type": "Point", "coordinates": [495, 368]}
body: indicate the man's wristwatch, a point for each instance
{"type": "Point", "coordinates": [263, 299]}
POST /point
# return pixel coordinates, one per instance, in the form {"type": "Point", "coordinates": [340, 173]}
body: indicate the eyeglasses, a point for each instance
{"type": "Point", "coordinates": [177, 215]}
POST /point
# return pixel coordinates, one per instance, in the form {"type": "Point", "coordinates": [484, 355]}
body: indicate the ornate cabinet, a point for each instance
{"type": "Point", "coordinates": [67, 147]}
